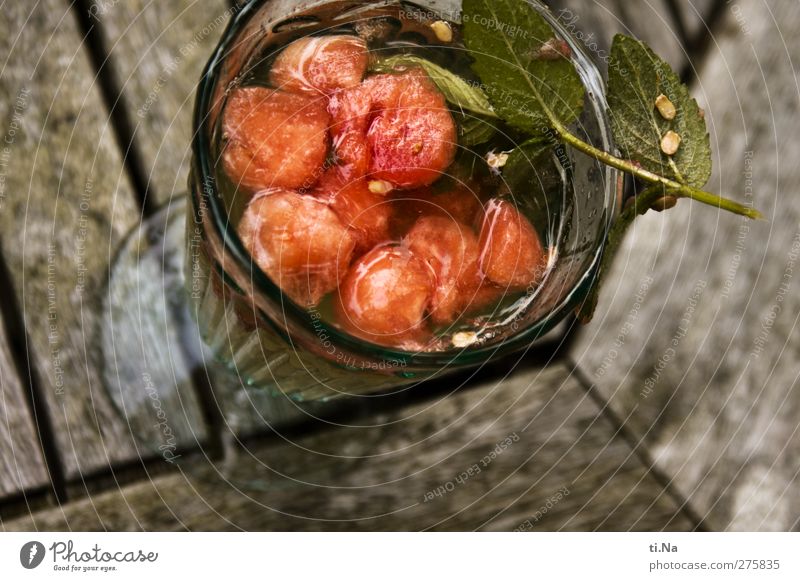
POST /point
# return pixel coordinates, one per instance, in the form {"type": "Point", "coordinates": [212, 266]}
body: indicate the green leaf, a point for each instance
{"type": "Point", "coordinates": [523, 161]}
{"type": "Point", "coordinates": [512, 45]}
{"type": "Point", "coordinates": [637, 77]}
{"type": "Point", "coordinates": [526, 175]}
{"type": "Point", "coordinates": [473, 130]}
{"type": "Point", "coordinates": [456, 90]}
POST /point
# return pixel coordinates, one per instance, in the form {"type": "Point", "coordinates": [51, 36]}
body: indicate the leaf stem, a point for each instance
{"type": "Point", "coordinates": [672, 187]}
{"type": "Point", "coordinates": [642, 203]}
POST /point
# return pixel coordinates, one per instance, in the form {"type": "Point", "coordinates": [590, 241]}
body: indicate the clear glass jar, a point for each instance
{"type": "Point", "coordinates": [275, 344]}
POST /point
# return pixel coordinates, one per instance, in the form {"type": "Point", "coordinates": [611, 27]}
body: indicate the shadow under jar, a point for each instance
{"type": "Point", "coordinates": [304, 351]}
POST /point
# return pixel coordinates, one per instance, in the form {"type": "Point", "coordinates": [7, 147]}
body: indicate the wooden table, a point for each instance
{"type": "Point", "coordinates": [677, 409]}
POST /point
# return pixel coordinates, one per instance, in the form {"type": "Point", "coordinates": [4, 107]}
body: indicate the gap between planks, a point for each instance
{"type": "Point", "coordinates": [637, 445]}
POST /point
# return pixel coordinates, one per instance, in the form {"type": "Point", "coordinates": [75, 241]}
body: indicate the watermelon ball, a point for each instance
{"type": "Point", "coordinates": [367, 214]}
{"type": "Point", "coordinates": [451, 251]}
{"type": "Point", "coordinates": [321, 64]}
{"type": "Point", "coordinates": [274, 139]}
{"type": "Point", "coordinates": [484, 298]}
{"type": "Point", "coordinates": [299, 242]}
{"type": "Point", "coordinates": [461, 203]}
{"type": "Point", "coordinates": [350, 112]}
{"type": "Point", "coordinates": [385, 295]}
{"type": "Point", "coordinates": [412, 136]}
{"type": "Point", "coordinates": [512, 256]}
{"type": "Point", "coordinates": [394, 127]}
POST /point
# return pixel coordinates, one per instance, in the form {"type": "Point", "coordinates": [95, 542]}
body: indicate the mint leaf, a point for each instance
{"type": "Point", "coordinates": [637, 78]}
{"type": "Point", "coordinates": [523, 171]}
{"type": "Point", "coordinates": [522, 162]}
{"type": "Point", "coordinates": [512, 45]}
{"type": "Point", "coordinates": [473, 130]}
{"type": "Point", "coordinates": [456, 90]}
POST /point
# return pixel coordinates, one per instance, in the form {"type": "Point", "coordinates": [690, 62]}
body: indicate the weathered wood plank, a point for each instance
{"type": "Point", "coordinates": [532, 452]}
{"type": "Point", "coordinates": [697, 337]}
{"type": "Point", "coordinates": [159, 50]}
{"type": "Point", "coordinates": [22, 466]}
{"type": "Point", "coordinates": [694, 14]}
{"type": "Point", "coordinates": [69, 204]}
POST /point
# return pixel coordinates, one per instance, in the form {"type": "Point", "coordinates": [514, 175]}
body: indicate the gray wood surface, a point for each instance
{"type": "Point", "coordinates": [560, 466]}
{"type": "Point", "coordinates": [68, 207]}
{"type": "Point", "coordinates": [159, 50]}
{"type": "Point", "coordinates": [696, 343]}
{"type": "Point", "coordinates": [694, 15]}
{"type": "Point", "coordinates": [22, 466]}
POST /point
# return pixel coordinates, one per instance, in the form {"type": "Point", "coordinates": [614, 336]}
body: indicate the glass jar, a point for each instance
{"type": "Point", "coordinates": [273, 343]}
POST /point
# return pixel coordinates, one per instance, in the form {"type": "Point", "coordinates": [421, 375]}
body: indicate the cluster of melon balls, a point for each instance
{"type": "Point", "coordinates": [339, 166]}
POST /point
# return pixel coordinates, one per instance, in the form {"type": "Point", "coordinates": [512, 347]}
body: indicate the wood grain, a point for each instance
{"type": "Point", "coordinates": [159, 50]}
{"type": "Point", "coordinates": [68, 206]}
{"type": "Point", "coordinates": [694, 15]}
{"type": "Point", "coordinates": [532, 452]}
{"type": "Point", "coordinates": [697, 340]}
{"type": "Point", "coordinates": [22, 466]}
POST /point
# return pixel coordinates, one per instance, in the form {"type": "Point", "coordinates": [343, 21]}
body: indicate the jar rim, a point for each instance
{"type": "Point", "coordinates": [293, 314]}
